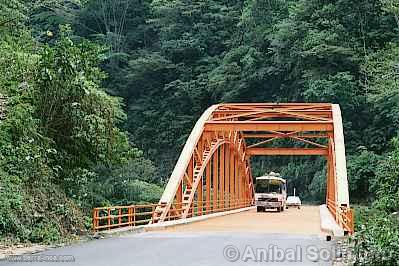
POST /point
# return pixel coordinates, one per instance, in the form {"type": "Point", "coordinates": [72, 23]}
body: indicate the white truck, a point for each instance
{"type": "Point", "coordinates": [270, 192]}
{"type": "Point", "coordinates": [293, 201]}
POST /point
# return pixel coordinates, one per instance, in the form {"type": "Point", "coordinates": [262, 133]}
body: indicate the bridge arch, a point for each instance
{"type": "Point", "coordinates": [211, 163]}
{"type": "Point", "coordinates": [215, 160]}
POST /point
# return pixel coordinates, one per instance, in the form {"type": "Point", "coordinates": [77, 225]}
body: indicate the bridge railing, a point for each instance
{"type": "Point", "coordinates": [344, 216]}
{"type": "Point", "coordinates": [107, 218]}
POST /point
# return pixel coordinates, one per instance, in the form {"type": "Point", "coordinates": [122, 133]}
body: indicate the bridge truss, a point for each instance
{"type": "Point", "coordinates": [213, 172]}
{"type": "Point", "coordinates": [214, 166]}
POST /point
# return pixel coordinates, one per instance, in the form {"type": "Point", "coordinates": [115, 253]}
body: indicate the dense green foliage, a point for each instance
{"type": "Point", "coordinates": [187, 55]}
{"type": "Point", "coordinates": [60, 141]}
{"type": "Point", "coordinates": [376, 240]}
{"type": "Point", "coordinates": [167, 61]}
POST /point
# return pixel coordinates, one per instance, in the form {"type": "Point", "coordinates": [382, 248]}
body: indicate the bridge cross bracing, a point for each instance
{"type": "Point", "coordinates": [213, 172]}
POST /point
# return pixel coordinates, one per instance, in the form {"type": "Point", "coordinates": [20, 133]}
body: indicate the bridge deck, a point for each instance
{"type": "Point", "coordinates": [305, 221]}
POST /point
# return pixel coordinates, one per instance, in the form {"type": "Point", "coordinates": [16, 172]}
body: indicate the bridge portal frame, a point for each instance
{"type": "Point", "coordinates": [216, 159]}
{"type": "Point", "coordinates": [213, 172]}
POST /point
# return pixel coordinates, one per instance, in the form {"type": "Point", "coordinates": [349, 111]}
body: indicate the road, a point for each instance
{"type": "Point", "coordinates": [202, 244]}
{"type": "Point", "coordinates": [195, 249]}
{"type": "Point", "coordinates": [305, 221]}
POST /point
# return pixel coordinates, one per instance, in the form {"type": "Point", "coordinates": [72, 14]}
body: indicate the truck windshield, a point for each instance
{"type": "Point", "coordinates": [268, 186]}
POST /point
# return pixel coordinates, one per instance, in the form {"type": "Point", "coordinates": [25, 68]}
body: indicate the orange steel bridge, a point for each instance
{"type": "Point", "coordinates": [213, 172]}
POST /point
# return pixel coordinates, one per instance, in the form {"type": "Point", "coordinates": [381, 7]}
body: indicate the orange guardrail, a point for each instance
{"type": "Point", "coordinates": [107, 218]}
{"type": "Point", "coordinates": [343, 215]}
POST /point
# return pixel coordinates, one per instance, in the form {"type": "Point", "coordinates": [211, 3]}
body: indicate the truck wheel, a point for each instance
{"type": "Point", "coordinates": [259, 209]}
{"type": "Point", "coordinates": [282, 209]}
{"type": "Point", "coordinates": [278, 209]}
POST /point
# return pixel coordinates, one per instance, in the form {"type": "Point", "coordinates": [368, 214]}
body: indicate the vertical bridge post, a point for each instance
{"type": "Point", "coordinates": [221, 159]}
{"type": "Point", "coordinates": [213, 172]}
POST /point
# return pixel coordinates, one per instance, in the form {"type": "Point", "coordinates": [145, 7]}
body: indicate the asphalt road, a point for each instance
{"type": "Point", "coordinates": [196, 248]}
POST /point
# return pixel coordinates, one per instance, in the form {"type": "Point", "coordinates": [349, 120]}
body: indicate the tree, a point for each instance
{"type": "Point", "coordinates": [46, 16]}
{"type": "Point", "coordinates": [362, 172]}
{"type": "Point", "coordinates": [381, 82]}
{"type": "Point", "coordinates": [392, 7]}
{"type": "Point", "coordinates": [74, 111]}
{"type": "Point", "coordinates": [11, 14]}
{"type": "Point", "coordinates": [122, 26]}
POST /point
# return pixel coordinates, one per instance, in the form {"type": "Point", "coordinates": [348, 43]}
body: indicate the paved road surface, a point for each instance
{"type": "Point", "coordinates": [248, 238]}
{"type": "Point", "coordinates": [192, 249]}
{"type": "Point", "coordinates": [305, 221]}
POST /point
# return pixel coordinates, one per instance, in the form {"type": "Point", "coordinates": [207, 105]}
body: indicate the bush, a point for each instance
{"type": "Point", "coordinates": [45, 233]}
{"type": "Point", "coordinates": [11, 203]}
{"type": "Point", "coordinates": [362, 171]}
{"type": "Point", "coordinates": [376, 241]}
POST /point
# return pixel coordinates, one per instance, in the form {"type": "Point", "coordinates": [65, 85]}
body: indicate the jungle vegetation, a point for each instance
{"type": "Point", "coordinates": [102, 95]}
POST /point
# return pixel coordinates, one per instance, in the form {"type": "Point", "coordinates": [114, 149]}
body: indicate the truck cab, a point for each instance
{"type": "Point", "coordinates": [270, 192]}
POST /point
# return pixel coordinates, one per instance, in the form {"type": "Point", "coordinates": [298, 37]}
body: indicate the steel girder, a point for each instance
{"type": "Point", "coordinates": [216, 159]}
